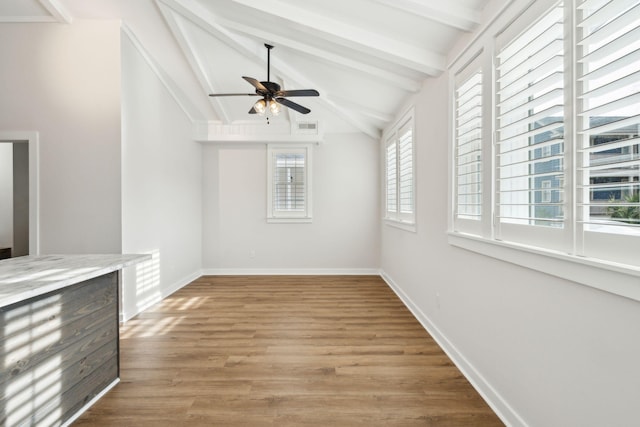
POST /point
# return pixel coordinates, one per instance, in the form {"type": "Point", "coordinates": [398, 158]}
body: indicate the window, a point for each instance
{"type": "Point", "coordinates": [530, 131]}
{"type": "Point", "coordinates": [608, 124]}
{"type": "Point", "coordinates": [392, 178]}
{"type": "Point", "coordinates": [399, 174]}
{"type": "Point", "coordinates": [561, 166]}
{"type": "Point", "coordinates": [289, 184]}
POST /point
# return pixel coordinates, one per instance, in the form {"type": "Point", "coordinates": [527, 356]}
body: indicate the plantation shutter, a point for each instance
{"type": "Point", "coordinates": [405, 162]}
{"type": "Point", "coordinates": [399, 173]}
{"type": "Point", "coordinates": [289, 182]}
{"type": "Point", "coordinates": [608, 74]}
{"type": "Point", "coordinates": [530, 131]}
{"type": "Point", "coordinates": [468, 148]}
{"type": "Point", "coordinates": [392, 182]}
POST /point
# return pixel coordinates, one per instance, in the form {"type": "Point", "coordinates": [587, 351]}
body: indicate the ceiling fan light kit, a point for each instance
{"type": "Point", "coordinates": [272, 95]}
{"type": "Point", "coordinates": [261, 107]}
{"type": "Point", "coordinates": [274, 107]}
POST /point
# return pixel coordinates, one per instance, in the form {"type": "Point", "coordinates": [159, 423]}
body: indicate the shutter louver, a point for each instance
{"type": "Point", "coordinates": [609, 115]}
{"type": "Point", "coordinates": [530, 125]}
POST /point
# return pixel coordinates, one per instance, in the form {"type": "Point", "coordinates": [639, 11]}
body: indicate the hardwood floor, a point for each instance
{"type": "Point", "coordinates": [285, 350]}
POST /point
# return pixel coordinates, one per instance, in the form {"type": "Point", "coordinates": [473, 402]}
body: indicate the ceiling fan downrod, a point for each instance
{"type": "Point", "coordinates": [269, 47]}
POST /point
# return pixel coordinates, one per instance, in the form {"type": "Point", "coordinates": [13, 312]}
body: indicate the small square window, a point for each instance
{"type": "Point", "coordinates": [289, 184]}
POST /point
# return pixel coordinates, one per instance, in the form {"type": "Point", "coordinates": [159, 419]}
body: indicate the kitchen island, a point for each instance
{"type": "Point", "coordinates": [59, 348]}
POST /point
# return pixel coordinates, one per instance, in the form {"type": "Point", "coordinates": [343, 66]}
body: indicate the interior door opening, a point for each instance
{"type": "Point", "coordinates": [18, 195]}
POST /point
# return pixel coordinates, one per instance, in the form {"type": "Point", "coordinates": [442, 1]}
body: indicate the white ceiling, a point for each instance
{"type": "Point", "coordinates": [365, 57]}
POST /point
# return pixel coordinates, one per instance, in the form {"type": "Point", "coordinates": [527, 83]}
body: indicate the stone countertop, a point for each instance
{"type": "Point", "coordinates": [25, 277]}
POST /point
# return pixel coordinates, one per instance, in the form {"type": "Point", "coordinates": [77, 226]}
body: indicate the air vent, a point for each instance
{"type": "Point", "coordinates": [308, 127]}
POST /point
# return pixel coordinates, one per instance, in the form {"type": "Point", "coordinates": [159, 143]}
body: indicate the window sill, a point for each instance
{"type": "Point", "coordinates": [618, 279]}
{"type": "Point", "coordinates": [402, 225]}
{"type": "Point", "coordinates": [301, 220]}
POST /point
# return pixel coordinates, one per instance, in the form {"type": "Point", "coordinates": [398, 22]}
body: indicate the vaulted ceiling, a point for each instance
{"type": "Point", "coordinates": [365, 57]}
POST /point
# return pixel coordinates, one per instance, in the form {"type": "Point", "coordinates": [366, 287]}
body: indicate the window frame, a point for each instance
{"type": "Point", "coordinates": [284, 215]}
{"type": "Point", "coordinates": [595, 266]}
{"type": "Point", "coordinates": [393, 136]}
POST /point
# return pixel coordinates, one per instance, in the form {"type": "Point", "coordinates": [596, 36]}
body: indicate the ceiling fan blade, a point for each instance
{"type": "Point", "coordinates": [233, 94]}
{"type": "Point", "coordinates": [299, 92]}
{"type": "Point", "coordinates": [255, 83]}
{"type": "Point", "coordinates": [253, 111]}
{"type": "Point", "coordinates": [299, 108]}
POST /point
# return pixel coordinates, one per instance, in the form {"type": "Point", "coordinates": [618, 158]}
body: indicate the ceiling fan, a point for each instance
{"type": "Point", "coordinates": [272, 96]}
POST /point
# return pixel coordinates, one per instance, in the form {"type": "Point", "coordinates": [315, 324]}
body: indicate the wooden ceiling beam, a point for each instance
{"type": "Point", "coordinates": [194, 60]}
{"type": "Point", "coordinates": [362, 40]}
{"type": "Point", "coordinates": [177, 94]}
{"type": "Point", "coordinates": [57, 11]}
{"type": "Point", "coordinates": [378, 73]}
{"type": "Point", "coordinates": [447, 13]}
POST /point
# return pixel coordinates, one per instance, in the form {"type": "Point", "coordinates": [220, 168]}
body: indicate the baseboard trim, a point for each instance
{"type": "Point", "coordinates": [181, 283]}
{"type": "Point", "coordinates": [164, 293]}
{"type": "Point", "coordinates": [504, 411]}
{"type": "Point", "coordinates": [291, 272]}
{"type": "Point", "coordinates": [89, 404]}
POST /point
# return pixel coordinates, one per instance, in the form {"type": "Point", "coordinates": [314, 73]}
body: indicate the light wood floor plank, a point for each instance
{"type": "Point", "coordinates": [281, 351]}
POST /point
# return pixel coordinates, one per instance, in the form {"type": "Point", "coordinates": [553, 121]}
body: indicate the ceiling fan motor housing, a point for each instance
{"type": "Point", "coordinates": [271, 87]}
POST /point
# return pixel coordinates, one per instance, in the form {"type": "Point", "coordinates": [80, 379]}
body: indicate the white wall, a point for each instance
{"type": "Point", "coordinates": [64, 82]}
{"type": "Point", "coordinates": [557, 353]}
{"type": "Point", "coordinates": [161, 187]}
{"type": "Point", "coordinates": [111, 180]}
{"type": "Point", "coordinates": [344, 234]}
{"type": "Point", "coordinates": [6, 195]}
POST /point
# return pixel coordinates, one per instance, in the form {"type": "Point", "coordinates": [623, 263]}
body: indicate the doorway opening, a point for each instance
{"type": "Point", "coordinates": [18, 194]}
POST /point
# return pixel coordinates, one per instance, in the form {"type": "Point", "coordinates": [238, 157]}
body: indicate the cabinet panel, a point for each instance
{"type": "Point", "coordinates": [59, 350]}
